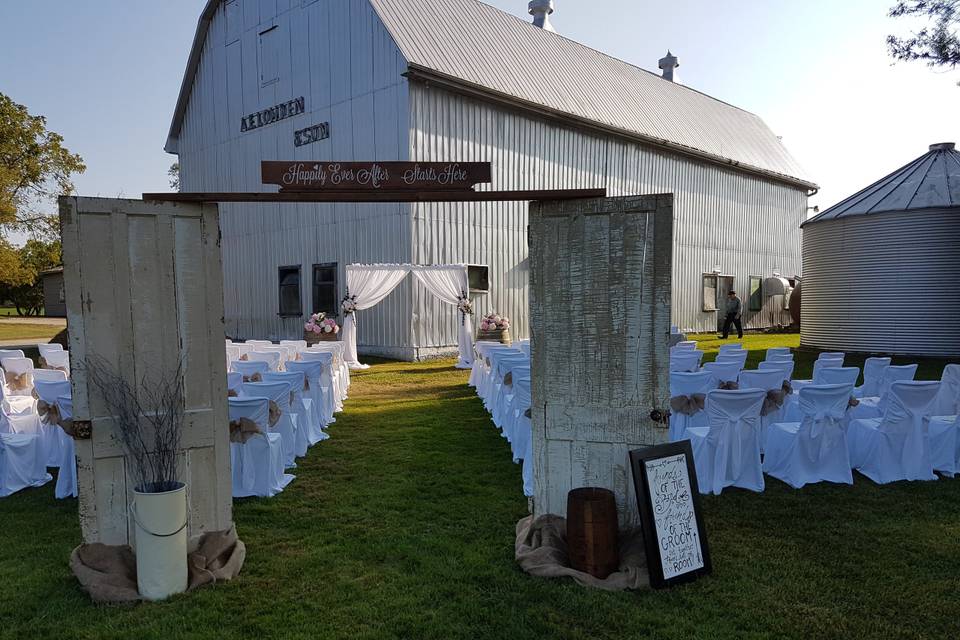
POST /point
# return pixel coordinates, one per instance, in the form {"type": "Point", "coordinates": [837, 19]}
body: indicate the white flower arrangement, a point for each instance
{"type": "Point", "coordinates": [494, 322]}
{"type": "Point", "coordinates": [320, 323]}
{"type": "Point", "coordinates": [349, 304]}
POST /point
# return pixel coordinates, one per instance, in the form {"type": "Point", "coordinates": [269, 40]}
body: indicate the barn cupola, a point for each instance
{"type": "Point", "coordinates": [541, 10]}
{"type": "Point", "coordinates": [669, 64]}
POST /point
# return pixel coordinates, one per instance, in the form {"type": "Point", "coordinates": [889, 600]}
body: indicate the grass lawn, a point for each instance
{"type": "Point", "coordinates": [401, 526]}
{"type": "Point", "coordinates": [9, 331]}
{"type": "Point", "coordinates": [12, 311]}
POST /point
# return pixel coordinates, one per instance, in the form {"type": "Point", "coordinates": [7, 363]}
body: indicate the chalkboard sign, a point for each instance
{"type": "Point", "coordinates": [669, 502]}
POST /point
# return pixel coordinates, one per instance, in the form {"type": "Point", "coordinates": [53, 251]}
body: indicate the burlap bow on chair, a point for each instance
{"type": "Point", "coordinates": [244, 357]}
{"type": "Point", "coordinates": [242, 430]}
{"type": "Point", "coordinates": [508, 379]}
{"type": "Point", "coordinates": [256, 377]}
{"type": "Point", "coordinates": [231, 393]}
{"type": "Point", "coordinates": [688, 405]}
{"type": "Point", "coordinates": [275, 413]}
{"type": "Point", "coordinates": [786, 387]}
{"type": "Point", "coordinates": [728, 385]}
{"type": "Point", "coordinates": [17, 381]}
{"type": "Point", "coordinates": [43, 363]}
{"type": "Point", "coordinates": [48, 413]}
{"type": "Point", "coordinates": [772, 402]}
{"type": "Point", "coordinates": [852, 402]}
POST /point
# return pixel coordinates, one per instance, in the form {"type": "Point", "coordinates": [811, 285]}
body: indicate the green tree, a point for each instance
{"type": "Point", "coordinates": [20, 272]}
{"type": "Point", "coordinates": [35, 167]}
{"type": "Point", "coordinates": [939, 44]}
{"type": "Point", "coordinates": [173, 174]}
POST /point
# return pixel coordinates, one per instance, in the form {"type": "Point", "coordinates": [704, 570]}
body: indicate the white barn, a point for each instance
{"type": "Point", "coordinates": [444, 80]}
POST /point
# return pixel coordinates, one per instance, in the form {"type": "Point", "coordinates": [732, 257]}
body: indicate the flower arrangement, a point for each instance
{"type": "Point", "coordinates": [320, 323]}
{"type": "Point", "coordinates": [494, 322]}
{"type": "Point", "coordinates": [349, 304]}
{"type": "Point", "coordinates": [464, 305]}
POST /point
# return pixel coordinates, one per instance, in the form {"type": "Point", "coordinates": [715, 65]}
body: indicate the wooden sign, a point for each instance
{"type": "Point", "coordinates": [669, 502]}
{"type": "Point", "coordinates": [297, 175]}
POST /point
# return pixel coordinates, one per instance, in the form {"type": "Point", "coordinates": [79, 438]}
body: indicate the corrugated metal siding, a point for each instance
{"type": "Point", "coordinates": [346, 66]}
{"type": "Point", "coordinates": [747, 225]}
{"type": "Point", "coordinates": [885, 283]}
{"type": "Point", "coordinates": [487, 47]}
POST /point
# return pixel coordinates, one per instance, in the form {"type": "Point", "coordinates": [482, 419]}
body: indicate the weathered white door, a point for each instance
{"type": "Point", "coordinates": [600, 324]}
{"type": "Point", "coordinates": [143, 288]}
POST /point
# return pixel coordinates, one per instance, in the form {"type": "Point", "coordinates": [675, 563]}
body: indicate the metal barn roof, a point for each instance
{"type": "Point", "coordinates": [478, 47]}
{"type": "Point", "coordinates": [932, 181]}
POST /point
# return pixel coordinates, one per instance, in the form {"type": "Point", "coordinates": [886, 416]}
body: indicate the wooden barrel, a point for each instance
{"type": "Point", "coordinates": [313, 338]}
{"type": "Point", "coordinates": [592, 531]}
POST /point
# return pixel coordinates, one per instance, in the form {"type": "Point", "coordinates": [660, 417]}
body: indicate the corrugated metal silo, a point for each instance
{"type": "Point", "coordinates": [881, 269]}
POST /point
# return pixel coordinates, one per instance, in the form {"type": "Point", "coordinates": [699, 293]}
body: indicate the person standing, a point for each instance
{"type": "Point", "coordinates": [734, 310]}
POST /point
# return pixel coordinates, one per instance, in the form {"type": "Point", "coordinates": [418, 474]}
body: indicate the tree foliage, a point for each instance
{"type": "Point", "coordinates": [173, 174]}
{"type": "Point", "coordinates": [20, 269]}
{"type": "Point", "coordinates": [938, 44]}
{"type": "Point", "coordinates": [35, 167]}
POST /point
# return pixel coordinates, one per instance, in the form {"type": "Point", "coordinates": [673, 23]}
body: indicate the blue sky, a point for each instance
{"type": "Point", "coordinates": [106, 74]}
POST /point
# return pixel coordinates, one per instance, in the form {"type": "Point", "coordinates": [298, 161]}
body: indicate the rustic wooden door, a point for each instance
{"type": "Point", "coordinates": [143, 286]}
{"type": "Point", "coordinates": [600, 324]}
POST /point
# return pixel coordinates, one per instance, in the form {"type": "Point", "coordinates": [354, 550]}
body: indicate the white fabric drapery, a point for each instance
{"type": "Point", "coordinates": [450, 284]}
{"type": "Point", "coordinates": [368, 284]}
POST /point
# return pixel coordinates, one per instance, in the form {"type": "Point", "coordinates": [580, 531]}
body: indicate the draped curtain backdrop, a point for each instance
{"type": "Point", "coordinates": [371, 283]}
{"type": "Point", "coordinates": [449, 283]}
{"type": "Point", "coordinates": [368, 284]}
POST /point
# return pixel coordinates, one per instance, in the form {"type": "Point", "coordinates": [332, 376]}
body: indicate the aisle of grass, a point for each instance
{"type": "Point", "coordinates": [401, 526]}
{"type": "Point", "coordinates": [27, 332]}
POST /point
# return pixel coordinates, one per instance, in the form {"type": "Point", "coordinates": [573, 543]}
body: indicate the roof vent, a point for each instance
{"type": "Point", "coordinates": [541, 10]}
{"type": "Point", "coordinates": [669, 64]}
{"type": "Point", "coordinates": [943, 146]}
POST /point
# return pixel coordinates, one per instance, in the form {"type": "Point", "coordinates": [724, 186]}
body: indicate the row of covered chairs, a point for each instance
{"type": "Point", "coordinates": [282, 397]}
{"type": "Point", "coordinates": [501, 376]}
{"type": "Point", "coordinates": [35, 421]}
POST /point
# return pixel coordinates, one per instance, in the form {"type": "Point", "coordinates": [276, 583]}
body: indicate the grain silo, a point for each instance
{"type": "Point", "coordinates": [881, 269]}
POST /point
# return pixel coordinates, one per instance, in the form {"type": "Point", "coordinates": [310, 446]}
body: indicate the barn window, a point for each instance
{"type": "Point", "coordinates": [756, 293]}
{"type": "Point", "coordinates": [234, 16]}
{"type": "Point", "coordinates": [709, 292]}
{"type": "Point", "coordinates": [479, 277]}
{"type": "Point", "coordinates": [289, 278]}
{"type": "Point", "coordinates": [325, 295]}
{"type": "Point", "coordinates": [269, 56]}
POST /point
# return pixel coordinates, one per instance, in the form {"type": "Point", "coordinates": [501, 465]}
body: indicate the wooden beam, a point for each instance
{"type": "Point", "coordinates": [380, 196]}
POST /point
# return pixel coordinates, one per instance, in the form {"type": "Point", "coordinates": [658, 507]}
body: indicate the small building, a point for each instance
{"type": "Point", "coordinates": [881, 269]}
{"type": "Point", "coordinates": [459, 80]}
{"type": "Point", "coordinates": [54, 300]}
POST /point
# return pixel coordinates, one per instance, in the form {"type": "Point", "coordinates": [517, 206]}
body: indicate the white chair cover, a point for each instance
{"type": "Point", "coordinates": [503, 398]}
{"type": "Point", "coordinates": [249, 367]}
{"type": "Point", "coordinates": [727, 451]}
{"type": "Point", "coordinates": [233, 354]}
{"type": "Point", "coordinates": [740, 357]}
{"type": "Point", "coordinates": [771, 381]}
{"type": "Point", "coordinates": [321, 397]}
{"type": "Point", "coordinates": [496, 401]}
{"type": "Point", "coordinates": [58, 360]}
{"type": "Point", "coordinates": [785, 367]}
{"type": "Point", "coordinates": [688, 360]}
{"type": "Point", "coordinates": [839, 375]}
{"type": "Point", "coordinates": [481, 350]}
{"type": "Point", "coordinates": [683, 386]}
{"type": "Point", "coordinates": [895, 447]}
{"type": "Point", "coordinates": [299, 345]}
{"type": "Point", "coordinates": [823, 361]}
{"type": "Point", "coordinates": [308, 430]}
{"type": "Point", "coordinates": [731, 346]}
{"type": "Point", "coordinates": [235, 382]}
{"type": "Point", "coordinates": [814, 449]}
{"type": "Point", "coordinates": [518, 429]}
{"type": "Point", "coordinates": [874, 406]}
{"type": "Point", "coordinates": [256, 344]}
{"type": "Point", "coordinates": [724, 371]}
{"type": "Point", "coordinates": [685, 344]}
{"type": "Point", "coordinates": [779, 351]}
{"type": "Point", "coordinates": [271, 357]}
{"type": "Point", "coordinates": [18, 366]}
{"type": "Point", "coordinates": [66, 486]}
{"type": "Point", "coordinates": [48, 375]}
{"type": "Point", "coordinates": [873, 369]}
{"type": "Point", "coordinates": [286, 426]}
{"type": "Point", "coordinates": [942, 429]}
{"type": "Point", "coordinates": [947, 402]}
{"type": "Point", "coordinates": [48, 347]}
{"type": "Point", "coordinates": [49, 429]}
{"type": "Point", "coordinates": [10, 353]}
{"type": "Point", "coordinates": [22, 463]}
{"type": "Point", "coordinates": [257, 464]}
{"type": "Point", "coordinates": [328, 379]}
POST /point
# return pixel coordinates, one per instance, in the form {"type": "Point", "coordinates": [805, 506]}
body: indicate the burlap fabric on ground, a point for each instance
{"type": "Point", "coordinates": [109, 572]}
{"type": "Point", "coordinates": [541, 550]}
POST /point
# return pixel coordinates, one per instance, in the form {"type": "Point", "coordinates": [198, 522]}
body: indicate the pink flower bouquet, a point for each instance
{"type": "Point", "coordinates": [320, 323]}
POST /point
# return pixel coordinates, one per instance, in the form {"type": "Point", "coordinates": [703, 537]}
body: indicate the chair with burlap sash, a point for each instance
{"type": "Point", "coordinates": [687, 394]}
{"type": "Point", "coordinates": [771, 382]}
{"type": "Point", "coordinates": [307, 432]}
{"type": "Point", "coordinates": [279, 420]}
{"type": "Point", "coordinates": [256, 453]}
{"type": "Point", "coordinates": [67, 476]}
{"type": "Point", "coordinates": [18, 375]}
{"type": "Point", "coordinates": [321, 397]}
{"type": "Point", "coordinates": [58, 360]}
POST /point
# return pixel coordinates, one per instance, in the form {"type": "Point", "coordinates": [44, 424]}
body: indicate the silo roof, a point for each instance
{"type": "Point", "coordinates": [932, 181]}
